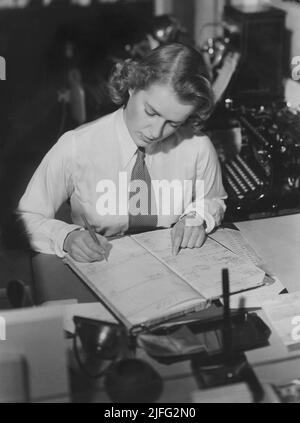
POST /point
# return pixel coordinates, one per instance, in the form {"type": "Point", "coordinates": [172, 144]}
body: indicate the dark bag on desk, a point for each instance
{"type": "Point", "coordinates": [204, 337]}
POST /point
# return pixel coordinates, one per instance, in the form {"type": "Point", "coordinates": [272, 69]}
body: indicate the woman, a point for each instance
{"type": "Point", "coordinates": [154, 136]}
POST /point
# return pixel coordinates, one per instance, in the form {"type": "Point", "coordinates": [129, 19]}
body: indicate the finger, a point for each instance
{"type": "Point", "coordinates": [201, 238]}
{"type": "Point", "coordinates": [177, 237]}
{"type": "Point", "coordinates": [102, 240]}
{"type": "Point", "coordinates": [105, 244]}
{"type": "Point", "coordinates": [79, 255]}
{"type": "Point", "coordinates": [196, 230]}
{"type": "Point", "coordinates": [92, 245]}
{"type": "Point", "coordinates": [172, 238]}
{"type": "Point", "coordinates": [108, 249]}
{"type": "Point", "coordinates": [186, 237]}
{"type": "Point", "coordinates": [92, 253]}
{"type": "Point", "coordinates": [81, 258]}
{"type": "Point", "coordinates": [172, 234]}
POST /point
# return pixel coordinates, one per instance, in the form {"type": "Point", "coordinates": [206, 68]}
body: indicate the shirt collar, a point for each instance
{"type": "Point", "coordinates": [127, 146]}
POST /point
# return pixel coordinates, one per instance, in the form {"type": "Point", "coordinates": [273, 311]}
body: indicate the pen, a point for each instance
{"type": "Point", "coordinates": [227, 329]}
{"type": "Point", "coordinates": [92, 233]}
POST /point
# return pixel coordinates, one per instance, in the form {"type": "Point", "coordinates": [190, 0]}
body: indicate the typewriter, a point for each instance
{"type": "Point", "coordinates": [260, 166]}
{"type": "Point", "coordinates": [262, 177]}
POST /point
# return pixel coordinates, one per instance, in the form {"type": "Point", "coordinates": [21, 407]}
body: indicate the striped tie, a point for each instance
{"type": "Point", "coordinates": [144, 220]}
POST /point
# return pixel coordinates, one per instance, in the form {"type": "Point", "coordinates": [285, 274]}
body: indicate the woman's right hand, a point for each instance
{"type": "Point", "coordinates": [81, 246]}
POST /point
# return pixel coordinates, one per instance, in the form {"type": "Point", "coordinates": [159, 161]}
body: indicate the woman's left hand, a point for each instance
{"type": "Point", "coordinates": [187, 234]}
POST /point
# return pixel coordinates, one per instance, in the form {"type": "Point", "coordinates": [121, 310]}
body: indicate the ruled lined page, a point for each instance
{"type": "Point", "coordinates": [202, 267]}
{"type": "Point", "coordinates": [136, 285]}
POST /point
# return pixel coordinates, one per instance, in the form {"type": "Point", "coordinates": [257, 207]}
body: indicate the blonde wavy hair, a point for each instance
{"type": "Point", "coordinates": [175, 64]}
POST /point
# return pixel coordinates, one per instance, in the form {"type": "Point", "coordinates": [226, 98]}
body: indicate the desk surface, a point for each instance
{"type": "Point", "coordinates": [54, 280]}
{"type": "Point", "coordinates": [276, 239]}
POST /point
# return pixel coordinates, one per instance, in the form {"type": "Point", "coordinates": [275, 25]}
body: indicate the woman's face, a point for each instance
{"type": "Point", "coordinates": [154, 113]}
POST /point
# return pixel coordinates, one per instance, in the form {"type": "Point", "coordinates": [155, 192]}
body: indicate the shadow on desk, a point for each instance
{"type": "Point", "coordinates": [53, 280]}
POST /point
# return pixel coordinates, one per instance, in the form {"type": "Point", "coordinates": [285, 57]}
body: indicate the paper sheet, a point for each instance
{"type": "Point", "coordinates": [202, 267]}
{"type": "Point", "coordinates": [136, 284]}
{"type": "Point", "coordinates": [233, 393]}
{"type": "Point", "coordinates": [256, 297]}
{"type": "Point", "coordinates": [236, 242]}
{"type": "Point", "coordinates": [284, 314]}
{"type": "Point", "coordinates": [143, 281]}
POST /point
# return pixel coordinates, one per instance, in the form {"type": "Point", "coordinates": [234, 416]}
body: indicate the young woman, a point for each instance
{"type": "Point", "coordinates": [122, 170]}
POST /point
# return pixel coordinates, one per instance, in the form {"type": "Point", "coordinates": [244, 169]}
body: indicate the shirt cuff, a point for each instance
{"type": "Point", "coordinates": [197, 219]}
{"type": "Point", "coordinates": [59, 242]}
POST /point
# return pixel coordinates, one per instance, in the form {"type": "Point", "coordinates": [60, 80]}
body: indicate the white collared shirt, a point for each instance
{"type": "Point", "coordinates": [83, 159]}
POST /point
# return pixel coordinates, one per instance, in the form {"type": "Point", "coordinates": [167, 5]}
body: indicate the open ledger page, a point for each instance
{"type": "Point", "coordinates": [235, 241]}
{"type": "Point", "coordinates": [135, 285]}
{"type": "Point", "coordinates": [202, 267]}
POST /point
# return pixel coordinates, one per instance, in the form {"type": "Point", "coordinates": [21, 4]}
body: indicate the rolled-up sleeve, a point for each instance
{"type": "Point", "coordinates": [49, 187]}
{"type": "Point", "coordinates": [209, 194]}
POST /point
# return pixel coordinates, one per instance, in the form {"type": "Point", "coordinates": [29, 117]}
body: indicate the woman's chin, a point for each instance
{"type": "Point", "coordinates": [140, 142]}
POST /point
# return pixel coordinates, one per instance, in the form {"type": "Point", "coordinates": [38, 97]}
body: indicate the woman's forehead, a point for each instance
{"type": "Point", "coordinates": [164, 101]}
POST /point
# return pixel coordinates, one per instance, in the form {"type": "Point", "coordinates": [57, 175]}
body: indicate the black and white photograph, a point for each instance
{"type": "Point", "coordinates": [149, 204]}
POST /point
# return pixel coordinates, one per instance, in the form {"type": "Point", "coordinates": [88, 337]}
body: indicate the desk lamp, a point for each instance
{"type": "Point", "coordinates": [100, 342]}
{"type": "Point", "coordinates": [127, 379]}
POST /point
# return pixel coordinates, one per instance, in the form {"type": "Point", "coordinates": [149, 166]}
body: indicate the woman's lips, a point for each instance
{"type": "Point", "coordinates": [148, 140]}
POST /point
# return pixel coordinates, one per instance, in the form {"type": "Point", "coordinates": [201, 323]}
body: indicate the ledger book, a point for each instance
{"type": "Point", "coordinates": [143, 284]}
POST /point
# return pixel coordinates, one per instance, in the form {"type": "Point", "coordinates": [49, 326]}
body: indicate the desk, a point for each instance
{"type": "Point", "coordinates": [53, 280]}
{"type": "Point", "coordinates": [178, 383]}
{"type": "Point", "coordinates": [276, 239]}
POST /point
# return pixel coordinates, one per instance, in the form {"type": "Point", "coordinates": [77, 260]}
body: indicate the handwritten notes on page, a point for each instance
{"type": "Point", "coordinates": [202, 267]}
{"type": "Point", "coordinates": [236, 242]}
{"type": "Point", "coordinates": [136, 285]}
{"type": "Point", "coordinates": [143, 281]}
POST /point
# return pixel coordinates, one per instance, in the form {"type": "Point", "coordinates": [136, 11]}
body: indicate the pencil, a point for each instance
{"type": "Point", "coordinates": [92, 233]}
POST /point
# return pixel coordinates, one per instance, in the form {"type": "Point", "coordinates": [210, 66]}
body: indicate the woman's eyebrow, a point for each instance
{"type": "Point", "coordinates": [157, 113]}
{"type": "Point", "coordinates": [152, 109]}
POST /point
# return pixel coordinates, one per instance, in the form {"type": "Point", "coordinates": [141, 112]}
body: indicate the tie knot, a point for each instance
{"type": "Point", "coordinates": [141, 153]}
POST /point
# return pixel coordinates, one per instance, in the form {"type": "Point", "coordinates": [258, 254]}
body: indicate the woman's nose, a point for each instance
{"type": "Point", "coordinates": [157, 128]}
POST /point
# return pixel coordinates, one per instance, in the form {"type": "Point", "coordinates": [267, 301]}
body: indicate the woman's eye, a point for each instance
{"type": "Point", "coordinates": [149, 113]}
{"type": "Point", "coordinates": [175, 125]}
